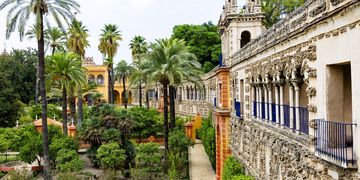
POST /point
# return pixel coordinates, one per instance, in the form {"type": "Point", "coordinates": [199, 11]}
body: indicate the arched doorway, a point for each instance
{"type": "Point", "coordinates": [117, 97]}
{"type": "Point", "coordinates": [245, 38]}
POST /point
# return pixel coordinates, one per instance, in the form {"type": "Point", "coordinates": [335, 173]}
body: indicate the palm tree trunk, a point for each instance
{"type": "Point", "coordinates": [172, 107]}
{"type": "Point", "coordinates": [53, 50]}
{"type": "Point", "coordinates": [72, 107]}
{"type": "Point", "coordinates": [80, 108]}
{"type": "Point", "coordinates": [45, 135]}
{"type": "Point", "coordinates": [109, 86]}
{"type": "Point", "coordinates": [166, 120]}
{"type": "Point", "coordinates": [140, 95]}
{"type": "Point", "coordinates": [147, 99]}
{"type": "Point", "coordinates": [37, 85]}
{"type": "Point", "coordinates": [125, 95]}
{"type": "Point", "coordinates": [112, 85]}
{"type": "Point", "coordinates": [64, 111]}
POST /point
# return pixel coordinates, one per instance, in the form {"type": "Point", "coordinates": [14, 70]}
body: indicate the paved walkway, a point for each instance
{"type": "Point", "coordinates": [200, 166]}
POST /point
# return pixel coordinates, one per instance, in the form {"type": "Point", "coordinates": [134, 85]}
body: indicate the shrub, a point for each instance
{"type": "Point", "coordinates": [233, 170]}
{"type": "Point", "coordinates": [148, 161]}
{"type": "Point", "coordinates": [62, 143]}
{"type": "Point", "coordinates": [52, 111]}
{"type": "Point", "coordinates": [68, 161]}
{"type": "Point", "coordinates": [178, 142]}
{"type": "Point", "coordinates": [207, 135]}
{"type": "Point", "coordinates": [111, 135]}
{"type": "Point", "coordinates": [111, 156]}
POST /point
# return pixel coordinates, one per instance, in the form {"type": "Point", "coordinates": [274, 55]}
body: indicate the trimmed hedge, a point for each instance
{"type": "Point", "coordinates": [207, 135]}
{"type": "Point", "coordinates": [233, 170]}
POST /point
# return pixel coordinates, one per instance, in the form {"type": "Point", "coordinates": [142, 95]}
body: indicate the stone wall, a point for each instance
{"type": "Point", "coordinates": [272, 153]}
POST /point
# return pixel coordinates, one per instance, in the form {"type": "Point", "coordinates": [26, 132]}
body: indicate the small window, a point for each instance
{"type": "Point", "coordinates": [100, 79]}
{"type": "Point", "coordinates": [91, 78]}
{"type": "Point", "coordinates": [245, 38]}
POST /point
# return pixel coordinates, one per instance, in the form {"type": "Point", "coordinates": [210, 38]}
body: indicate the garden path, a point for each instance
{"type": "Point", "coordinates": [200, 166]}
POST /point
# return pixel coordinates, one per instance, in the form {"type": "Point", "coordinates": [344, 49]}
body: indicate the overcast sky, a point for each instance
{"type": "Point", "coordinates": [152, 19]}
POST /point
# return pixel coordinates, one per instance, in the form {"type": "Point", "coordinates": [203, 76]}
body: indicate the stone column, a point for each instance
{"type": "Point", "coordinates": [260, 102]}
{"type": "Point", "coordinates": [277, 104]}
{"type": "Point", "coordinates": [266, 101]}
{"type": "Point", "coordinates": [291, 98]}
{"type": "Point", "coordinates": [282, 104]}
{"type": "Point", "coordinates": [253, 96]}
{"type": "Point", "coordinates": [297, 107]}
{"type": "Point", "coordinates": [270, 102]}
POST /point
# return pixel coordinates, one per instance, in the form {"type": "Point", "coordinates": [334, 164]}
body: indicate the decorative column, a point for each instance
{"type": "Point", "coordinates": [282, 104]}
{"type": "Point", "coordinates": [291, 98]}
{"type": "Point", "coordinates": [270, 102]}
{"type": "Point", "coordinates": [257, 102]}
{"type": "Point", "coordinates": [297, 107]}
{"type": "Point", "coordinates": [253, 99]}
{"type": "Point", "coordinates": [277, 104]}
{"type": "Point", "coordinates": [266, 101]}
{"type": "Point", "coordinates": [260, 102]}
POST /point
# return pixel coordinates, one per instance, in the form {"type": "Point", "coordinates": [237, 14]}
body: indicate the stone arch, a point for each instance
{"type": "Point", "coordinates": [117, 97]}
{"type": "Point", "coordinates": [245, 38]}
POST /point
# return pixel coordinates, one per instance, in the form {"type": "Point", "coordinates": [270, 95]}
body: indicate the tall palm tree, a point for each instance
{"type": "Point", "coordinates": [18, 16]}
{"type": "Point", "coordinates": [123, 71]}
{"type": "Point", "coordinates": [138, 47]}
{"type": "Point", "coordinates": [169, 61]}
{"type": "Point", "coordinates": [77, 43]}
{"type": "Point", "coordinates": [55, 39]}
{"type": "Point", "coordinates": [109, 44]}
{"type": "Point", "coordinates": [64, 69]}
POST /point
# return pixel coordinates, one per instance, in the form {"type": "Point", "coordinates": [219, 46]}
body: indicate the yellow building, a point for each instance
{"type": "Point", "coordinates": [99, 74]}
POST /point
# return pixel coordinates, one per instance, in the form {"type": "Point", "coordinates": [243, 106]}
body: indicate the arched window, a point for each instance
{"type": "Point", "coordinates": [91, 78]}
{"type": "Point", "coordinates": [245, 38]}
{"type": "Point", "coordinates": [100, 79]}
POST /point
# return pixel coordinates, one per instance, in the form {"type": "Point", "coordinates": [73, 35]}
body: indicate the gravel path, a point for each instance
{"type": "Point", "coordinates": [200, 166]}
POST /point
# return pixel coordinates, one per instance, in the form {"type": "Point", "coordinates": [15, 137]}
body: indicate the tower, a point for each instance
{"type": "Point", "coordinates": [239, 26]}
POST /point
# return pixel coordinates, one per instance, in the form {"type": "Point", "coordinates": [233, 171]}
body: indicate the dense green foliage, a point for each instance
{"type": "Point", "coordinates": [148, 162]}
{"type": "Point", "coordinates": [274, 9]}
{"type": "Point", "coordinates": [19, 68]}
{"type": "Point", "coordinates": [234, 170]}
{"type": "Point", "coordinates": [204, 41]}
{"type": "Point", "coordinates": [147, 121]}
{"type": "Point", "coordinates": [9, 104]}
{"type": "Point", "coordinates": [53, 112]}
{"type": "Point", "coordinates": [68, 161]}
{"type": "Point", "coordinates": [207, 135]}
{"type": "Point", "coordinates": [111, 156]}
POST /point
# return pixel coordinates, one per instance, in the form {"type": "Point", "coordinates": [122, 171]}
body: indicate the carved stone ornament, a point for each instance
{"type": "Point", "coordinates": [312, 124]}
{"type": "Point", "coordinates": [312, 72]}
{"type": "Point", "coordinates": [311, 53]}
{"type": "Point", "coordinates": [247, 89]}
{"type": "Point", "coordinates": [312, 108]}
{"type": "Point", "coordinates": [311, 92]}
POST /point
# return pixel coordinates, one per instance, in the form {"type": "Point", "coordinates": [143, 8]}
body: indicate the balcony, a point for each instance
{"type": "Point", "coordinates": [334, 142]}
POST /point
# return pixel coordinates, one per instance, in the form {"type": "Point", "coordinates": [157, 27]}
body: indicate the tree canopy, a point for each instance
{"type": "Point", "coordinates": [204, 41]}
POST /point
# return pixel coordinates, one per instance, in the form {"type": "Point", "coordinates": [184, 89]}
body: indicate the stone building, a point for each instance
{"type": "Point", "coordinates": [99, 74]}
{"type": "Point", "coordinates": [284, 99]}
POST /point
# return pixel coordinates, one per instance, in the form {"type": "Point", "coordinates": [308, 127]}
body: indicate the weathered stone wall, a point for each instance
{"type": "Point", "coordinates": [272, 153]}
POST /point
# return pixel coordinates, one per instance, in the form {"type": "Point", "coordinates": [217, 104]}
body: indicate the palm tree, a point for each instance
{"type": "Point", "coordinates": [123, 71]}
{"type": "Point", "coordinates": [64, 69]}
{"type": "Point", "coordinates": [18, 16]}
{"type": "Point", "coordinates": [77, 43]}
{"type": "Point", "coordinates": [169, 62]}
{"type": "Point", "coordinates": [55, 39]}
{"type": "Point", "coordinates": [138, 47]}
{"type": "Point", "coordinates": [109, 44]}
{"type": "Point", "coordinates": [138, 77]}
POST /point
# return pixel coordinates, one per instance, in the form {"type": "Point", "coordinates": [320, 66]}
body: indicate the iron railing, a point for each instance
{"type": "Point", "coordinates": [286, 115]}
{"type": "Point", "coordinates": [334, 140]}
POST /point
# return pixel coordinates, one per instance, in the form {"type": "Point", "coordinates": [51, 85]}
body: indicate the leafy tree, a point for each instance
{"type": "Point", "coordinates": [52, 109]}
{"type": "Point", "coordinates": [274, 9]}
{"type": "Point", "coordinates": [109, 44]}
{"type": "Point", "coordinates": [178, 142]}
{"type": "Point", "coordinates": [20, 69]}
{"type": "Point", "coordinates": [68, 161]}
{"type": "Point", "coordinates": [63, 71]}
{"type": "Point", "coordinates": [9, 105]}
{"type": "Point", "coordinates": [146, 121]}
{"type": "Point", "coordinates": [148, 161]}
{"type": "Point", "coordinates": [111, 156]}
{"type": "Point", "coordinates": [123, 71]}
{"type": "Point", "coordinates": [32, 149]}
{"type": "Point", "coordinates": [58, 144]}
{"type": "Point", "coordinates": [204, 41]}
{"type": "Point", "coordinates": [111, 135]}
{"type": "Point", "coordinates": [18, 16]}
